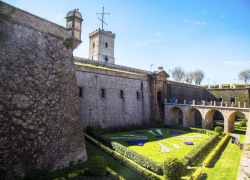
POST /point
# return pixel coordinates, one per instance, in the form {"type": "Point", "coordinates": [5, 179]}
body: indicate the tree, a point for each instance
{"type": "Point", "coordinates": [178, 74]}
{"type": "Point", "coordinates": [244, 75]}
{"type": "Point", "coordinates": [198, 76]}
{"type": "Point", "coordinates": [189, 77]}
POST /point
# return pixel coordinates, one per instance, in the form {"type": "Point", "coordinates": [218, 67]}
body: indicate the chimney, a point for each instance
{"type": "Point", "coordinates": [160, 68]}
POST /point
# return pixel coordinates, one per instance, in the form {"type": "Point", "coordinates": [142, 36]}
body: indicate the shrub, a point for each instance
{"type": "Point", "coordinates": [173, 169]}
{"type": "Point", "coordinates": [193, 156]}
{"type": "Point", "coordinates": [158, 121]}
{"type": "Point", "coordinates": [196, 174]}
{"type": "Point", "coordinates": [215, 151]}
{"type": "Point", "coordinates": [90, 129]}
{"type": "Point", "coordinates": [125, 161]}
{"type": "Point", "coordinates": [218, 129]}
{"type": "Point", "coordinates": [138, 158]}
{"type": "Point", "coordinates": [98, 166]}
{"type": "Point", "coordinates": [72, 175]}
{"type": "Point", "coordinates": [243, 123]}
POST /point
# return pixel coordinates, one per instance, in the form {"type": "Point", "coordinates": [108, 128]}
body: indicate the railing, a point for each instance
{"type": "Point", "coordinates": [204, 103]}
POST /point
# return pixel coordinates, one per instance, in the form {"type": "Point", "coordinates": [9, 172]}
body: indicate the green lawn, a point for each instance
{"type": "Point", "coordinates": [225, 166]}
{"type": "Point", "coordinates": [93, 151]}
{"type": "Point", "coordinates": [152, 149]}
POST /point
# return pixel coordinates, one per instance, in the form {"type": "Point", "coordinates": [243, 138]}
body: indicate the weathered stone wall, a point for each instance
{"type": "Point", "coordinates": [188, 92]}
{"type": "Point", "coordinates": [39, 108]}
{"type": "Point", "coordinates": [112, 110]}
{"type": "Point", "coordinates": [240, 95]}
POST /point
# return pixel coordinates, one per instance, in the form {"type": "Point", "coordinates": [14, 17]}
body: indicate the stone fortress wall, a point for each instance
{"type": "Point", "coordinates": [39, 107]}
{"type": "Point", "coordinates": [132, 107]}
{"type": "Point", "coordinates": [183, 91]}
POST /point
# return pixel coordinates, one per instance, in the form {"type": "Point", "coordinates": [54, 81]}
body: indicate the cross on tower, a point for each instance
{"type": "Point", "coordinates": [102, 16]}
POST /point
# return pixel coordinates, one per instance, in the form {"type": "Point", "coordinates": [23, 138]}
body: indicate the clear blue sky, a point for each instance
{"type": "Point", "coordinates": [210, 35]}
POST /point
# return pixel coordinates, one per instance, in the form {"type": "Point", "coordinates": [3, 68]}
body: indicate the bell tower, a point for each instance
{"type": "Point", "coordinates": [101, 46]}
{"type": "Point", "coordinates": [74, 28]}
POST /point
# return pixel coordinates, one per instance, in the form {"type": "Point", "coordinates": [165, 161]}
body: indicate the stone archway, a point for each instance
{"type": "Point", "coordinates": [175, 116]}
{"type": "Point", "coordinates": [229, 127]}
{"type": "Point", "coordinates": [209, 118]}
{"type": "Point", "coordinates": [190, 117]}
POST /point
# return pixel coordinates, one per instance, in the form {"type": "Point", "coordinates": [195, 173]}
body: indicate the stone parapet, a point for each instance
{"type": "Point", "coordinates": [184, 84]}
{"type": "Point", "coordinates": [111, 66]}
{"type": "Point", "coordinates": [21, 17]}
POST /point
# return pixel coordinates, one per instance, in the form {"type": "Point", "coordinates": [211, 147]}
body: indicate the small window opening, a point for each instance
{"type": "Point", "coordinates": [233, 100]}
{"type": "Point", "coordinates": [103, 93]}
{"type": "Point", "coordinates": [208, 100]}
{"type": "Point", "coordinates": [121, 94]}
{"type": "Point", "coordinates": [138, 95]}
{"type": "Point", "coordinates": [93, 45]}
{"type": "Point", "coordinates": [159, 96]}
{"type": "Point", "coordinates": [106, 44]}
{"type": "Point", "coordinates": [80, 91]}
{"type": "Point", "coordinates": [219, 99]}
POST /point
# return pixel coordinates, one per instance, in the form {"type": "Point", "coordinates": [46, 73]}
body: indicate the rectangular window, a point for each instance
{"type": "Point", "coordinates": [103, 93]}
{"type": "Point", "coordinates": [106, 45]}
{"type": "Point", "coordinates": [138, 95]}
{"type": "Point", "coordinates": [93, 45]}
{"type": "Point", "coordinates": [80, 91]}
{"type": "Point", "coordinates": [121, 94]}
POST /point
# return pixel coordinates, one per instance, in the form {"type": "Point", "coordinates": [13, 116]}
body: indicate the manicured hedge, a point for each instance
{"type": "Point", "coordinates": [215, 151]}
{"type": "Point", "coordinates": [114, 175]}
{"type": "Point", "coordinates": [145, 173]}
{"type": "Point", "coordinates": [138, 158]}
{"type": "Point", "coordinates": [198, 151]}
{"type": "Point", "coordinates": [197, 174]}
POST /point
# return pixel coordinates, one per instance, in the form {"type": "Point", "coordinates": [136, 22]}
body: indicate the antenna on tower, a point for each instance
{"type": "Point", "coordinates": [102, 17]}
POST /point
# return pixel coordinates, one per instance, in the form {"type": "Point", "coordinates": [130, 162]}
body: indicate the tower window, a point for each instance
{"type": "Point", "coordinates": [138, 95]}
{"type": "Point", "coordinates": [80, 91]}
{"type": "Point", "coordinates": [103, 93]}
{"type": "Point", "coordinates": [93, 45]}
{"type": "Point", "coordinates": [106, 45]}
{"type": "Point", "coordinates": [121, 94]}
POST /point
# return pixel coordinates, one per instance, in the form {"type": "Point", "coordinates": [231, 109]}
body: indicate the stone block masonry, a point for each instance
{"type": "Point", "coordinates": [40, 124]}
{"type": "Point", "coordinates": [126, 98]}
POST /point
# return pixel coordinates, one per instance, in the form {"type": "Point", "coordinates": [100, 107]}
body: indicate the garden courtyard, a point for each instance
{"type": "Point", "coordinates": [157, 145]}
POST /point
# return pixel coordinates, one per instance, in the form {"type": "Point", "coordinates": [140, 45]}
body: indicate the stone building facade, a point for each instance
{"type": "Point", "coordinates": [40, 124]}
{"type": "Point", "coordinates": [112, 95]}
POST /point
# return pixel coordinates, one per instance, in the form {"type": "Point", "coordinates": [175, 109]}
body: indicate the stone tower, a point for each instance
{"type": "Point", "coordinates": [73, 25]}
{"type": "Point", "coordinates": [101, 46]}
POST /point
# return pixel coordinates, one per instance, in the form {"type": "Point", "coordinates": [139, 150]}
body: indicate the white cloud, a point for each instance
{"type": "Point", "coordinates": [222, 15]}
{"type": "Point", "coordinates": [146, 43]}
{"type": "Point", "coordinates": [157, 34]}
{"type": "Point", "coordinates": [59, 17]}
{"type": "Point", "coordinates": [199, 23]}
{"type": "Point", "coordinates": [204, 12]}
{"type": "Point", "coordinates": [194, 22]}
{"type": "Point", "coordinates": [236, 63]}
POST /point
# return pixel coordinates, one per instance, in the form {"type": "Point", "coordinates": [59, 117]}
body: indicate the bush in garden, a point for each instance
{"type": "Point", "coordinates": [158, 121]}
{"type": "Point", "coordinates": [173, 169]}
{"type": "Point", "coordinates": [219, 130]}
{"type": "Point", "coordinates": [243, 123]}
{"type": "Point", "coordinates": [98, 166]}
{"type": "Point", "coordinates": [90, 129]}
